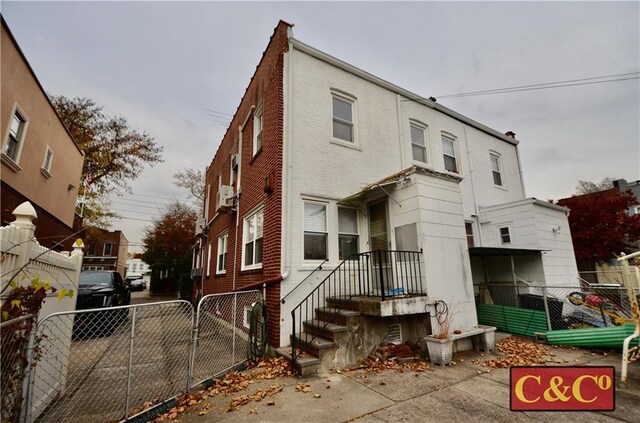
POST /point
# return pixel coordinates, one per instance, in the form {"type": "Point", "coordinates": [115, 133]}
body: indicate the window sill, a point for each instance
{"type": "Point", "coordinates": [500, 187]}
{"type": "Point", "coordinates": [10, 163]}
{"type": "Point", "coordinates": [45, 173]}
{"type": "Point", "coordinates": [346, 144]}
{"type": "Point", "coordinates": [255, 156]}
{"type": "Point", "coordinates": [251, 269]}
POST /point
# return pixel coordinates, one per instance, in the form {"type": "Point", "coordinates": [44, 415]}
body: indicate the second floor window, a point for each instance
{"type": "Point", "coordinates": [253, 226]}
{"type": "Point", "coordinates": [16, 134]}
{"type": "Point", "coordinates": [505, 235]}
{"type": "Point", "coordinates": [48, 160]}
{"type": "Point", "coordinates": [107, 249]}
{"type": "Point", "coordinates": [468, 226]}
{"type": "Point", "coordinates": [91, 250]}
{"type": "Point", "coordinates": [418, 144]}
{"type": "Point", "coordinates": [342, 118]}
{"type": "Point", "coordinates": [315, 231]}
{"type": "Point", "coordinates": [257, 130]}
{"type": "Point", "coordinates": [449, 154]}
{"type": "Point", "coordinates": [495, 169]}
{"type": "Point", "coordinates": [222, 254]}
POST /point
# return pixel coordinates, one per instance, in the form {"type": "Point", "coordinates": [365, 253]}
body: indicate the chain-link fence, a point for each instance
{"type": "Point", "coordinates": [111, 364]}
{"type": "Point", "coordinates": [532, 309]}
{"type": "Point", "coordinates": [223, 332]}
{"type": "Point", "coordinates": [16, 337]}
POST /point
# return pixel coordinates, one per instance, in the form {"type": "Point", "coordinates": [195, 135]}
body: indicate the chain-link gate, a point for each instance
{"type": "Point", "coordinates": [112, 364]}
{"type": "Point", "coordinates": [222, 333]}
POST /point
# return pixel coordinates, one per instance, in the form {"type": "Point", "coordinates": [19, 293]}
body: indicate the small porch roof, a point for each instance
{"type": "Point", "coordinates": [497, 251]}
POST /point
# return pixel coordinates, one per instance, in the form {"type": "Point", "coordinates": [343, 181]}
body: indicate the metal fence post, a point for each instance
{"type": "Point", "coordinates": [27, 390]}
{"type": "Point", "coordinates": [133, 330]}
{"type": "Point", "coordinates": [235, 317]}
{"type": "Point", "coordinates": [194, 342]}
{"type": "Point", "coordinates": [546, 308]}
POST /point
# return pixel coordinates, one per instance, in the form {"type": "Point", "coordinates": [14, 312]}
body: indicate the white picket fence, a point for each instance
{"type": "Point", "coordinates": [23, 259]}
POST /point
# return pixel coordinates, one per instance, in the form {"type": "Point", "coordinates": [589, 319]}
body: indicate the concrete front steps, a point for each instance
{"type": "Point", "coordinates": [320, 341]}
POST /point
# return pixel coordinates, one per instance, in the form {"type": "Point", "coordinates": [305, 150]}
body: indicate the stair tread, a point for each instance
{"type": "Point", "coordinates": [331, 327]}
{"type": "Point", "coordinates": [301, 361]}
{"type": "Point", "coordinates": [314, 341]}
{"type": "Point", "coordinates": [339, 312]}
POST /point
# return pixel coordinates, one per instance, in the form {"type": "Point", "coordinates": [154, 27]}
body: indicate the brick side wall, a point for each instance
{"type": "Point", "coordinates": [266, 86]}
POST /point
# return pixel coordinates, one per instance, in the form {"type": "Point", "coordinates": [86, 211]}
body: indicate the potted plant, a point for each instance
{"type": "Point", "coordinates": [440, 343]}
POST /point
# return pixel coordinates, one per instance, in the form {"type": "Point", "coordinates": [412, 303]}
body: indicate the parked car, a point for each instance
{"type": "Point", "coordinates": [100, 290]}
{"type": "Point", "coordinates": [137, 285]}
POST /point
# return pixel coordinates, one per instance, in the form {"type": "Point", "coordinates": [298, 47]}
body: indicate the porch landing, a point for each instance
{"type": "Point", "coordinates": [398, 305]}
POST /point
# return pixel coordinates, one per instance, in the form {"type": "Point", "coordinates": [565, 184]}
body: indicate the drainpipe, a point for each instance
{"type": "Point", "coordinates": [400, 133]}
{"type": "Point", "coordinates": [238, 192]}
{"type": "Point", "coordinates": [473, 187]}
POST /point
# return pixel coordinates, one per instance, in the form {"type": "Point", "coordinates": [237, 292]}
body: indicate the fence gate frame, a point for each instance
{"type": "Point", "coordinates": [630, 354]}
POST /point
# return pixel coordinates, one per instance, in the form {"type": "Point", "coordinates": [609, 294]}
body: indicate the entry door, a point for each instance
{"type": "Point", "coordinates": [379, 240]}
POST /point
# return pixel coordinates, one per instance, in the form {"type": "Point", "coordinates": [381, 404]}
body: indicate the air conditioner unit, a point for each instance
{"type": "Point", "coordinates": [225, 197]}
{"type": "Point", "coordinates": [234, 161]}
{"type": "Point", "coordinates": [200, 224]}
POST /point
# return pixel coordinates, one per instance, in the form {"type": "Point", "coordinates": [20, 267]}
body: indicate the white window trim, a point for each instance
{"type": "Point", "coordinates": [224, 236]}
{"type": "Point", "coordinates": [511, 241]}
{"type": "Point", "coordinates": [245, 234]}
{"type": "Point", "coordinates": [258, 115]}
{"type": "Point", "coordinates": [104, 249]}
{"type": "Point", "coordinates": [456, 153]}
{"type": "Point", "coordinates": [498, 156]}
{"type": "Point", "coordinates": [327, 209]}
{"type": "Point", "coordinates": [13, 164]}
{"type": "Point", "coordinates": [357, 233]}
{"type": "Point", "coordinates": [208, 258]}
{"type": "Point", "coordinates": [46, 169]}
{"type": "Point", "coordinates": [354, 116]}
{"type": "Point", "coordinates": [423, 127]}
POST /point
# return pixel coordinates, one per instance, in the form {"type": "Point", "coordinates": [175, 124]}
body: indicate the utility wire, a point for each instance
{"type": "Point", "coordinates": [549, 85]}
{"type": "Point", "coordinates": [218, 113]}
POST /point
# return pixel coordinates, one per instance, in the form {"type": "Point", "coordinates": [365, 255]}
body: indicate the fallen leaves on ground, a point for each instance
{"type": "Point", "coordinates": [232, 383]}
{"type": "Point", "coordinates": [520, 352]}
{"type": "Point", "coordinates": [378, 366]}
{"type": "Point", "coordinates": [257, 396]}
{"type": "Point", "coordinates": [303, 387]}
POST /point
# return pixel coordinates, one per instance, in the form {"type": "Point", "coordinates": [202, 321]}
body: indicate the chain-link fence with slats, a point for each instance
{"type": "Point", "coordinates": [526, 309]}
{"type": "Point", "coordinates": [104, 365]}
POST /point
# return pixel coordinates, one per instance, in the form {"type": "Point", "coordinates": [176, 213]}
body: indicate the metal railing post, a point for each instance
{"type": "Point", "coordinates": [293, 336]}
{"type": "Point", "coordinates": [381, 273]}
{"type": "Point", "coordinates": [129, 373]}
{"type": "Point", "coordinates": [546, 308]}
{"type": "Point", "coordinates": [27, 385]}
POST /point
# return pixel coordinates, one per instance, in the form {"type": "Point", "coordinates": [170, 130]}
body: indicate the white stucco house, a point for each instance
{"type": "Point", "coordinates": [138, 269]}
{"type": "Point", "coordinates": [359, 165]}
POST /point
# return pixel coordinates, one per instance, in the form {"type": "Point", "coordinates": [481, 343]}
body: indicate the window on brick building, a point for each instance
{"type": "Point", "coordinates": [17, 128]}
{"type": "Point", "coordinates": [343, 122]}
{"type": "Point", "coordinates": [257, 129]}
{"type": "Point", "coordinates": [208, 258]}
{"type": "Point", "coordinates": [449, 153]}
{"type": "Point", "coordinates": [91, 250]}
{"type": "Point", "coordinates": [107, 249]}
{"type": "Point", "coordinates": [347, 232]}
{"type": "Point", "coordinates": [418, 143]}
{"type": "Point", "coordinates": [222, 254]}
{"type": "Point", "coordinates": [252, 240]}
{"type": "Point", "coordinates": [315, 231]}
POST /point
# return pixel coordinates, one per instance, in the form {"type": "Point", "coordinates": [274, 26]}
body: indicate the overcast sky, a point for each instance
{"type": "Point", "coordinates": [162, 65]}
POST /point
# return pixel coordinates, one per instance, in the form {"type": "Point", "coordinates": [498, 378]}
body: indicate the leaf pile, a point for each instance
{"type": "Point", "coordinates": [232, 383]}
{"type": "Point", "coordinates": [520, 352]}
{"type": "Point", "coordinates": [257, 396]}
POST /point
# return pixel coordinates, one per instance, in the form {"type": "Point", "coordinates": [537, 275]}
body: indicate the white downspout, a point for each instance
{"type": "Point", "coordinates": [238, 192]}
{"type": "Point", "coordinates": [524, 192]}
{"type": "Point", "coordinates": [473, 187]}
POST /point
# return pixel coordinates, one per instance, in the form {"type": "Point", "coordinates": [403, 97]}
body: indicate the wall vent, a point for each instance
{"type": "Point", "coordinates": [394, 334]}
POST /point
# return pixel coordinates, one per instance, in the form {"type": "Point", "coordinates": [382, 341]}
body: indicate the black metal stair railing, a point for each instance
{"type": "Point", "coordinates": [380, 273]}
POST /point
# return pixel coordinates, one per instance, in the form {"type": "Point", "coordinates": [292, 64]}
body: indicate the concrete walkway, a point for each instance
{"type": "Point", "coordinates": [465, 392]}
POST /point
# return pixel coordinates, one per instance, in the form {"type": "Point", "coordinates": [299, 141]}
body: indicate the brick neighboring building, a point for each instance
{"type": "Point", "coordinates": [106, 250]}
{"type": "Point", "coordinates": [41, 163]}
{"type": "Point", "coordinates": [325, 164]}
